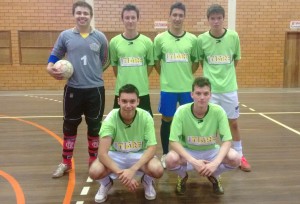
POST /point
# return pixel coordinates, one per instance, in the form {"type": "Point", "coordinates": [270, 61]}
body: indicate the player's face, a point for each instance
{"type": "Point", "coordinates": [130, 20]}
{"type": "Point", "coordinates": [82, 16]}
{"type": "Point", "coordinates": [128, 103]}
{"type": "Point", "coordinates": [216, 21]}
{"type": "Point", "coordinates": [201, 96]}
{"type": "Point", "coordinates": [176, 18]}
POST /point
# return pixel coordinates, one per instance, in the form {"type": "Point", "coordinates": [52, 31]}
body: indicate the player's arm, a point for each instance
{"type": "Point", "coordinates": [178, 148]}
{"type": "Point", "coordinates": [104, 145]}
{"type": "Point", "coordinates": [115, 69]}
{"type": "Point", "coordinates": [104, 54]}
{"type": "Point", "coordinates": [157, 66]}
{"type": "Point", "coordinates": [148, 154]}
{"type": "Point", "coordinates": [195, 66]}
{"type": "Point", "coordinates": [52, 71]}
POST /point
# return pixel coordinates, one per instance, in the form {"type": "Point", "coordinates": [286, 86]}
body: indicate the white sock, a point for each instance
{"type": "Point", "coordinates": [180, 170]}
{"type": "Point", "coordinates": [237, 145]}
{"type": "Point", "coordinates": [148, 179]}
{"type": "Point", "coordinates": [104, 181]}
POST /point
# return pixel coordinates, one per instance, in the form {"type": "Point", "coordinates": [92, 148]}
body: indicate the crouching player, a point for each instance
{"type": "Point", "coordinates": [127, 148]}
{"type": "Point", "coordinates": [193, 140]}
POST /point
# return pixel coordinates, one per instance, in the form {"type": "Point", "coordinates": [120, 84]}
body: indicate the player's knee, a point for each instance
{"type": "Point", "coordinates": [172, 159]}
{"type": "Point", "coordinates": [70, 126]}
{"type": "Point", "coordinates": [234, 159]}
{"type": "Point", "coordinates": [155, 169]}
{"type": "Point", "coordinates": [93, 126]}
{"type": "Point", "coordinates": [96, 170]}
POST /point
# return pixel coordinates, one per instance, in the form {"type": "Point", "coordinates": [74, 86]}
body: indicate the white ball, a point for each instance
{"type": "Point", "coordinates": [66, 68]}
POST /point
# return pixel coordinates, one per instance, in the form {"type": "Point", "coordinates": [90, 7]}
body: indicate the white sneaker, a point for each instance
{"type": "Point", "coordinates": [150, 193]}
{"type": "Point", "coordinates": [101, 195]}
{"type": "Point", "coordinates": [163, 160]}
{"type": "Point", "coordinates": [61, 170]}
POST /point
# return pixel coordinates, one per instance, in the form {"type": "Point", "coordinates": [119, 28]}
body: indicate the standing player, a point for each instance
{"type": "Point", "coordinates": [219, 53]}
{"type": "Point", "coordinates": [87, 50]}
{"type": "Point", "coordinates": [131, 55]}
{"type": "Point", "coordinates": [175, 55]}
{"type": "Point", "coordinates": [127, 147]}
{"type": "Point", "coordinates": [193, 140]}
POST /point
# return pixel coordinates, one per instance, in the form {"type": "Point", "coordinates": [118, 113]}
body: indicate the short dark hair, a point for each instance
{"type": "Point", "coordinates": [82, 4]}
{"type": "Point", "coordinates": [129, 88]}
{"type": "Point", "coordinates": [215, 8]}
{"type": "Point", "coordinates": [177, 5]}
{"type": "Point", "coordinates": [131, 7]}
{"type": "Point", "coordinates": [201, 82]}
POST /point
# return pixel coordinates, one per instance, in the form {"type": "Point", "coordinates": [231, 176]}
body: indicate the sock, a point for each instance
{"type": "Point", "coordinates": [237, 145]}
{"type": "Point", "coordinates": [180, 170]}
{"type": "Point", "coordinates": [164, 135]}
{"type": "Point", "coordinates": [148, 179]}
{"type": "Point", "coordinates": [104, 181]}
{"type": "Point", "coordinates": [68, 148]}
{"type": "Point", "coordinates": [93, 143]}
{"type": "Point", "coordinates": [222, 168]}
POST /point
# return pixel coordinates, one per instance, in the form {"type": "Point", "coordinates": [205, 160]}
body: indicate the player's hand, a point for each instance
{"type": "Point", "coordinates": [126, 176]}
{"type": "Point", "coordinates": [54, 72]}
{"type": "Point", "coordinates": [211, 167]}
{"type": "Point", "coordinates": [199, 166]}
{"type": "Point", "coordinates": [133, 185]}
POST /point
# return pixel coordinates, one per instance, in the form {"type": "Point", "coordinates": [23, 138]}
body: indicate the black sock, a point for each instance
{"type": "Point", "coordinates": [164, 135]}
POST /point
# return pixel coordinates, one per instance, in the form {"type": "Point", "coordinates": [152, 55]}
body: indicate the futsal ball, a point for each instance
{"type": "Point", "coordinates": [65, 67]}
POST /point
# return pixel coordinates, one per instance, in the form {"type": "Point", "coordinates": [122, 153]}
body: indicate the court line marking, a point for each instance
{"type": "Point", "coordinates": [72, 178]}
{"type": "Point", "coordinates": [279, 123]}
{"type": "Point", "coordinates": [16, 186]}
{"type": "Point", "coordinates": [85, 190]}
{"type": "Point", "coordinates": [155, 114]}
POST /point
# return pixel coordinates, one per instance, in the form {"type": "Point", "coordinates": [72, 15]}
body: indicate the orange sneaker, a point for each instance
{"type": "Point", "coordinates": [245, 166]}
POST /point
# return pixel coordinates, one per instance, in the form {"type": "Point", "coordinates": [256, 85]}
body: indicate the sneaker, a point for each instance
{"type": "Point", "coordinates": [150, 193]}
{"type": "Point", "coordinates": [181, 185]}
{"type": "Point", "coordinates": [163, 160]}
{"type": "Point", "coordinates": [245, 166]}
{"type": "Point", "coordinates": [61, 170]}
{"type": "Point", "coordinates": [101, 195]}
{"type": "Point", "coordinates": [217, 187]}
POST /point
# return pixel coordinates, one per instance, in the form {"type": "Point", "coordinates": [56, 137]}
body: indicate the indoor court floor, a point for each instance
{"type": "Point", "coordinates": [31, 145]}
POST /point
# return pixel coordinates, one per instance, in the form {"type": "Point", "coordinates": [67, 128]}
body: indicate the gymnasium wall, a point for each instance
{"type": "Point", "coordinates": [28, 30]}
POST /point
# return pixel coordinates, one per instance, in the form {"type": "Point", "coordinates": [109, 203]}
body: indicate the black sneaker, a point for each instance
{"type": "Point", "coordinates": [181, 185]}
{"type": "Point", "coordinates": [217, 187]}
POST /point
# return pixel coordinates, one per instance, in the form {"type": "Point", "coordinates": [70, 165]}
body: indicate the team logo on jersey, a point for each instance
{"type": "Point", "coordinates": [95, 47]}
{"type": "Point", "coordinates": [131, 61]}
{"type": "Point", "coordinates": [177, 57]}
{"type": "Point", "coordinates": [201, 140]}
{"type": "Point", "coordinates": [131, 146]}
{"type": "Point", "coordinates": [219, 59]}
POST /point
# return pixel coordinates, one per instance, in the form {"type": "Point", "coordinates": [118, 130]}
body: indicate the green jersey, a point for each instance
{"type": "Point", "coordinates": [176, 55]}
{"type": "Point", "coordinates": [218, 56]}
{"type": "Point", "coordinates": [129, 138]}
{"type": "Point", "coordinates": [132, 57]}
{"type": "Point", "coordinates": [200, 134]}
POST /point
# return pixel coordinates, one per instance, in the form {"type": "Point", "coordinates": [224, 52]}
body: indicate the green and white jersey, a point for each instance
{"type": "Point", "coordinates": [218, 56]}
{"type": "Point", "coordinates": [200, 134]}
{"type": "Point", "coordinates": [176, 54]}
{"type": "Point", "coordinates": [132, 57]}
{"type": "Point", "coordinates": [135, 137]}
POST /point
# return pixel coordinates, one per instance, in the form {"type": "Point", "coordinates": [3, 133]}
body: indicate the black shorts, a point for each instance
{"type": "Point", "coordinates": [88, 102]}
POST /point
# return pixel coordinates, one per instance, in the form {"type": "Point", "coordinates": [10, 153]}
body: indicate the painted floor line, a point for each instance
{"type": "Point", "coordinates": [279, 123]}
